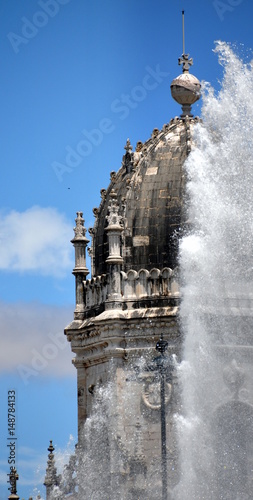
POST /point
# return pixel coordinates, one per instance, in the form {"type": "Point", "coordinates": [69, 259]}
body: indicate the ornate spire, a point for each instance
{"type": "Point", "coordinates": [13, 478]}
{"type": "Point", "coordinates": [185, 89]}
{"type": "Point", "coordinates": [80, 270]}
{"type": "Point", "coordinates": [51, 479]}
{"type": "Point", "coordinates": [114, 259]}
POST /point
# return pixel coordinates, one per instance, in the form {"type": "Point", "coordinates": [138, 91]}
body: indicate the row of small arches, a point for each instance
{"type": "Point", "coordinates": [134, 285]}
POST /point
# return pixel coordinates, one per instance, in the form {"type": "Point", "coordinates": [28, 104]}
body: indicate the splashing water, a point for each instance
{"type": "Point", "coordinates": [104, 455]}
{"type": "Point", "coordinates": [215, 427]}
{"type": "Point", "coordinates": [216, 258]}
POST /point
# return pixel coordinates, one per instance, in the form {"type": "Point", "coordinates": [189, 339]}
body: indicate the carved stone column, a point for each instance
{"type": "Point", "coordinates": [115, 260]}
{"type": "Point", "coordinates": [80, 270]}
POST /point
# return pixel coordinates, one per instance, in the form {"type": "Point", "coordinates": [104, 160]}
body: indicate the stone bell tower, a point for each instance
{"type": "Point", "coordinates": [129, 303]}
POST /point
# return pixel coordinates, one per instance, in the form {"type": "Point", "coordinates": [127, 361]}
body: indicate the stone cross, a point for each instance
{"type": "Point", "coordinates": [185, 62]}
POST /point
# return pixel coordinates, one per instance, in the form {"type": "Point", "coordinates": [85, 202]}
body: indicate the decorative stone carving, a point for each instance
{"type": "Point", "coordinates": [79, 229]}
{"type": "Point", "coordinates": [155, 133]}
{"type": "Point", "coordinates": [103, 194]}
{"type": "Point", "coordinates": [151, 395]}
{"type": "Point", "coordinates": [185, 89]}
{"type": "Point", "coordinates": [80, 270]}
{"type": "Point", "coordinates": [113, 218]}
{"type": "Point", "coordinates": [95, 211]}
{"type": "Point", "coordinates": [185, 61]}
{"type": "Point", "coordinates": [141, 285]}
{"type": "Point", "coordinates": [80, 396]}
{"type": "Point", "coordinates": [113, 176]}
{"type": "Point", "coordinates": [127, 160]}
{"type": "Point", "coordinates": [139, 146]}
{"type": "Point", "coordinates": [114, 230]}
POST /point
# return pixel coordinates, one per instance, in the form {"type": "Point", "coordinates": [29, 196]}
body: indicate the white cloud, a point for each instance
{"type": "Point", "coordinates": [36, 240]}
{"type": "Point", "coordinates": [33, 343]}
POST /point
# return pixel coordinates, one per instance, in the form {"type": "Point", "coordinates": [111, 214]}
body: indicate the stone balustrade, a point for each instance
{"type": "Point", "coordinates": [134, 286]}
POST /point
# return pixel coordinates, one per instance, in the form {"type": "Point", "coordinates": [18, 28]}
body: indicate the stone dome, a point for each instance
{"type": "Point", "coordinates": [149, 187]}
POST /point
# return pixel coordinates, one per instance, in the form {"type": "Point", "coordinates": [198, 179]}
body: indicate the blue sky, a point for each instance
{"type": "Point", "coordinates": [72, 91]}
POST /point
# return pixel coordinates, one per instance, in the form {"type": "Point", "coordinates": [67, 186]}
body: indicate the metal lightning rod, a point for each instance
{"type": "Point", "coordinates": [183, 31]}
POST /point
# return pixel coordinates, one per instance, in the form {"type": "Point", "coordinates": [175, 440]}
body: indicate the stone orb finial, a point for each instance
{"type": "Point", "coordinates": [185, 89]}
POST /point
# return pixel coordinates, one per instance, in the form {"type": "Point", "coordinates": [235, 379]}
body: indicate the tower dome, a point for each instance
{"type": "Point", "coordinates": [149, 187]}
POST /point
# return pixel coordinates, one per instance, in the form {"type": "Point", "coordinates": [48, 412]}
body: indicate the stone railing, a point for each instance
{"type": "Point", "coordinates": [154, 283]}
{"type": "Point", "coordinates": [96, 291]}
{"type": "Point", "coordinates": [134, 286]}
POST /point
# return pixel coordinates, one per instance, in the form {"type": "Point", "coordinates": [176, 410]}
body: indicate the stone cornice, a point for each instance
{"type": "Point", "coordinates": [94, 344]}
{"type": "Point", "coordinates": [105, 351]}
{"type": "Point", "coordinates": [122, 321]}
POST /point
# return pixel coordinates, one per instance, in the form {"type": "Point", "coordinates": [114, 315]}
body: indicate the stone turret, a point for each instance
{"type": "Point", "coordinates": [80, 270]}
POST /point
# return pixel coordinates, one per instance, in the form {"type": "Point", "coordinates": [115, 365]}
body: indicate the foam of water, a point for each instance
{"type": "Point", "coordinates": [216, 259]}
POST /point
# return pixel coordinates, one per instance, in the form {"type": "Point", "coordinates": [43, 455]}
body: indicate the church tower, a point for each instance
{"type": "Point", "coordinates": [125, 322]}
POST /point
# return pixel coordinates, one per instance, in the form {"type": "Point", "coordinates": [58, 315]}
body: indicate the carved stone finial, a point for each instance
{"type": "Point", "coordinates": [95, 212]}
{"type": "Point", "coordinates": [128, 146]}
{"type": "Point", "coordinates": [113, 218]}
{"type": "Point", "coordinates": [155, 133]}
{"type": "Point", "coordinates": [50, 448]}
{"type": "Point", "coordinates": [186, 62]}
{"type": "Point", "coordinates": [103, 193]}
{"type": "Point", "coordinates": [113, 176]}
{"type": "Point", "coordinates": [79, 230]}
{"type": "Point", "coordinates": [80, 270]}
{"type": "Point", "coordinates": [185, 89]}
{"type": "Point", "coordinates": [13, 478]}
{"type": "Point", "coordinates": [127, 161]}
{"type": "Point", "coordinates": [139, 146]}
{"type": "Point", "coordinates": [114, 231]}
